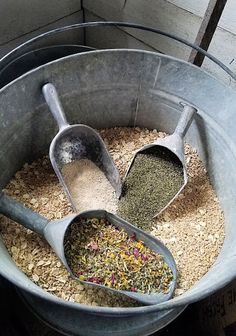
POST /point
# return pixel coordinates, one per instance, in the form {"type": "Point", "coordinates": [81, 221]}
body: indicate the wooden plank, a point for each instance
{"type": "Point", "coordinates": [196, 7]}
{"type": "Point", "coordinates": [227, 20]}
{"type": "Point", "coordinates": [207, 29]}
{"type": "Point", "coordinates": [21, 17]}
{"type": "Point", "coordinates": [103, 38]}
{"type": "Point", "coordinates": [156, 13]}
{"type": "Point", "coordinates": [226, 42]}
{"type": "Point", "coordinates": [74, 38]}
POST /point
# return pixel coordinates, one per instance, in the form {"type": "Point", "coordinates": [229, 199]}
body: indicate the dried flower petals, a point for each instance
{"type": "Point", "coordinates": [119, 261]}
{"type": "Point", "coordinates": [93, 246]}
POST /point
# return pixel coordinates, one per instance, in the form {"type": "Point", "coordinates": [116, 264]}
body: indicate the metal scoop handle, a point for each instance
{"type": "Point", "coordinates": [54, 233]}
{"type": "Point", "coordinates": [20, 214]}
{"type": "Point", "coordinates": [54, 104]}
{"type": "Point", "coordinates": [185, 120]}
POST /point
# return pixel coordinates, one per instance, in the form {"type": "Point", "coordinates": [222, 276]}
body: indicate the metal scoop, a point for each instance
{"type": "Point", "coordinates": [77, 142]}
{"type": "Point", "coordinates": [173, 143]}
{"type": "Point", "coordinates": [54, 232]}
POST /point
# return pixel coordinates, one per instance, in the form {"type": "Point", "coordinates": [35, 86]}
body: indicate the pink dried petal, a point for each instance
{"type": "Point", "coordinates": [136, 253]}
{"type": "Point", "coordinates": [133, 236]}
{"type": "Point", "coordinates": [93, 246]}
{"type": "Point", "coordinates": [144, 257]}
{"type": "Point", "coordinates": [93, 279]}
{"type": "Point", "coordinates": [113, 278]}
{"type": "Point", "coordinates": [133, 289]}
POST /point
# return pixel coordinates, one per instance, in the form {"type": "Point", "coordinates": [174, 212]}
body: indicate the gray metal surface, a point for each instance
{"type": "Point", "coordinates": [34, 58]}
{"type": "Point", "coordinates": [173, 143]}
{"type": "Point", "coordinates": [122, 88]}
{"type": "Point", "coordinates": [54, 232]}
{"type": "Point", "coordinates": [77, 142]}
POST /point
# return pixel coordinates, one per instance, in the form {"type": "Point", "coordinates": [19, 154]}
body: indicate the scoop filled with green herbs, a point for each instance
{"type": "Point", "coordinates": [155, 178]}
{"type": "Point", "coordinates": [156, 175]}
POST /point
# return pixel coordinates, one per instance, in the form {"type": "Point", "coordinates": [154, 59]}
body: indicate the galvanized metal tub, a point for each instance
{"type": "Point", "coordinates": [121, 88]}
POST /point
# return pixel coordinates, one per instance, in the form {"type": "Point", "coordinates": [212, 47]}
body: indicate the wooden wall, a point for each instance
{"type": "Point", "coordinates": [182, 17]}
{"type": "Point", "coordinates": [21, 20]}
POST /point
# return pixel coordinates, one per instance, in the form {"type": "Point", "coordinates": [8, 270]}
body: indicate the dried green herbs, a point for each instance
{"type": "Point", "coordinates": [153, 180]}
{"type": "Point", "coordinates": [98, 252]}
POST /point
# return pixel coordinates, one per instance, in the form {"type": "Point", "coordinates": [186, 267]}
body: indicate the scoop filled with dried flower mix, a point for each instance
{"type": "Point", "coordinates": [107, 251]}
{"type": "Point", "coordinates": [101, 249]}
